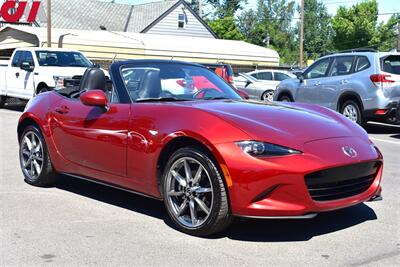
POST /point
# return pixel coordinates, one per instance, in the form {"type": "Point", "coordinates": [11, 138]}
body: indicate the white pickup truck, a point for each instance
{"type": "Point", "coordinates": [34, 70]}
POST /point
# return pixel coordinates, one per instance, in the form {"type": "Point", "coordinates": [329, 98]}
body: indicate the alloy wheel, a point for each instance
{"type": "Point", "coordinates": [189, 192]}
{"type": "Point", "coordinates": [31, 153]}
{"type": "Point", "coordinates": [268, 96]}
{"type": "Point", "coordinates": [350, 111]}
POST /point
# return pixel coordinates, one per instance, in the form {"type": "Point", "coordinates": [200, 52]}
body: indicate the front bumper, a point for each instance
{"type": "Point", "coordinates": [275, 187]}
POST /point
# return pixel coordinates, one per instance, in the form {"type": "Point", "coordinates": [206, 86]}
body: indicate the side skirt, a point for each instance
{"type": "Point", "coordinates": [111, 185]}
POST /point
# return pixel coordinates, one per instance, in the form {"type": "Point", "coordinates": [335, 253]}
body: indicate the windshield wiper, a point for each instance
{"type": "Point", "coordinates": [160, 99]}
{"type": "Point", "coordinates": [216, 98]}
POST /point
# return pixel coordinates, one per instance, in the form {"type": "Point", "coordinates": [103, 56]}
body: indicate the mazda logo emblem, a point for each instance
{"type": "Point", "coordinates": [349, 151]}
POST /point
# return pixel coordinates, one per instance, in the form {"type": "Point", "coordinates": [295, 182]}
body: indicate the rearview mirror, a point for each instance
{"type": "Point", "coordinates": [95, 98]}
{"type": "Point", "coordinates": [27, 66]}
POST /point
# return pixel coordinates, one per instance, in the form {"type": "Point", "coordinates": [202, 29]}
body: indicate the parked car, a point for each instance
{"type": "Point", "coordinates": [362, 85]}
{"type": "Point", "coordinates": [34, 70]}
{"type": "Point", "coordinates": [270, 77]}
{"type": "Point", "coordinates": [209, 154]}
{"type": "Point", "coordinates": [225, 71]}
{"type": "Point", "coordinates": [256, 89]}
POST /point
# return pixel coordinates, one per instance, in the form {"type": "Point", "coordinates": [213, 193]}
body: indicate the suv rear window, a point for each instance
{"type": "Point", "coordinates": [391, 64]}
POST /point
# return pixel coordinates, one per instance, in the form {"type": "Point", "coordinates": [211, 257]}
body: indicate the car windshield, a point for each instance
{"type": "Point", "coordinates": [62, 59]}
{"type": "Point", "coordinates": [174, 82]}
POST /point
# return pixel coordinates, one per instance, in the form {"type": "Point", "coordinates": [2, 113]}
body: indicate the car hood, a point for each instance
{"type": "Point", "coordinates": [290, 125]}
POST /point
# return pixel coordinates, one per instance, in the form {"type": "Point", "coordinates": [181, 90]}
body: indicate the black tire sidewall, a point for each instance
{"type": "Point", "coordinates": [207, 227]}
{"type": "Point", "coordinates": [285, 97]}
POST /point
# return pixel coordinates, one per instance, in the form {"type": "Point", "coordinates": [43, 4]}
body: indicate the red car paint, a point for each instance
{"type": "Point", "coordinates": [122, 146]}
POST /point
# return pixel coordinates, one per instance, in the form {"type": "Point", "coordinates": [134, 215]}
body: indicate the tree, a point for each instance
{"type": "Point", "coordinates": [355, 27]}
{"type": "Point", "coordinates": [317, 29]}
{"type": "Point", "coordinates": [226, 28]}
{"type": "Point", "coordinates": [272, 23]}
{"type": "Point", "coordinates": [226, 8]}
{"type": "Point", "coordinates": [385, 37]}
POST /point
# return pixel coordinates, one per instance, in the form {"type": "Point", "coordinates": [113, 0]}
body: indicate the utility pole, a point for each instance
{"type": "Point", "coordinates": [49, 23]}
{"type": "Point", "coordinates": [200, 8]}
{"type": "Point", "coordinates": [301, 34]}
{"type": "Point", "coordinates": [398, 36]}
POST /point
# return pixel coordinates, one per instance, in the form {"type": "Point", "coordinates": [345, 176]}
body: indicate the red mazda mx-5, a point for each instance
{"type": "Point", "coordinates": [177, 132]}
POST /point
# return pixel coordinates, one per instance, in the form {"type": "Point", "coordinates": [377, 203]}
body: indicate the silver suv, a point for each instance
{"type": "Point", "coordinates": [362, 85]}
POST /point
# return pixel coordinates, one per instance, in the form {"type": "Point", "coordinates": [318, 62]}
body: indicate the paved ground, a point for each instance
{"type": "Point", "coordinates": [78, 223]}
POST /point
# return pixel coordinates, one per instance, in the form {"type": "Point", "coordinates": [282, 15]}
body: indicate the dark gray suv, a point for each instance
{"type": "Point", "coordinates": [362, 86]}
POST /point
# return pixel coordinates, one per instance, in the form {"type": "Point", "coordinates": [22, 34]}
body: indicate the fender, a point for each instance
{"type": "Point", "coordinates": [348, 93]}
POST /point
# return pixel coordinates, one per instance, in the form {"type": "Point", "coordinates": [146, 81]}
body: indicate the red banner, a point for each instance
{"type": "Point", "coordinates": [12, 11]}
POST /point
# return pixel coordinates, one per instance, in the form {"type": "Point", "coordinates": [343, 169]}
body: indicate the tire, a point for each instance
{"type": "Point", "coordinates": [268, 96]}
{"type": "Point", "coordinates": [43, 90]}
{"type": "Point", "coordinates": [182, 201]}
{"type": "Point", "coordinates": [2, 101]}
{"type": "Point", "coordinates": [285, 98]}
{"type": "Point", "coordinates": [34, 158]}
{"type": "Point", "coordinates": [351, 110]}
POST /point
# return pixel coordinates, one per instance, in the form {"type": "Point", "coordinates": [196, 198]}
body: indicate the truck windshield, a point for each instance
{"type": "Point", "coordinates": [62, 59]}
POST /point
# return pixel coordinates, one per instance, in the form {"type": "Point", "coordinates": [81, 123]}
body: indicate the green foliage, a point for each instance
{"type": "Point", "coordinates": [317, 29]}
{"type": "Point", "coordinates": [226, 28]}
{"type": "Point", "coordinates": [385, 37]}
{"type": "Point", "coordinates": [355, 27]}
{"type": "Point", "coordinates": [226, 8]}
{"type": "Point", "coordinates": [271, 23]}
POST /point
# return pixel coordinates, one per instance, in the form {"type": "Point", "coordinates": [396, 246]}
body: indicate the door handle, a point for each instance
{"type": "Point", "coordinates": [17, 74]}
{"type": "Point", "coordinates": [62, 110]}
{"type": "Point", "coordinates": [317, 83]}
{"type": "Point", "coordinates": [344, 81]}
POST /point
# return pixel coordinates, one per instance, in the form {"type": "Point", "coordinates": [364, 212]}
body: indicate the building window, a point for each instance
{"type": "Point", "coordinates": [181, 20]}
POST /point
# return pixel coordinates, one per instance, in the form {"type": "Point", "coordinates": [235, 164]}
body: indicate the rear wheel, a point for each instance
{"type": "Point", "coordinates": [34, 158]}
{"type": "Point", "coordinates": [268, 95]}
{"type": "Point", "coordinates": [194, 193]}
{"type": "Point", "coordinates": [351, 110]}
{"type": "Point", "coordinates": [285, 98]}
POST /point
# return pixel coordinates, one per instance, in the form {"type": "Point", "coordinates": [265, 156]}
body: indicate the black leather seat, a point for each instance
{"type": "Point", "coordinates": [93, 78]}
{"type": "Point", "coordinates": [151, 85]}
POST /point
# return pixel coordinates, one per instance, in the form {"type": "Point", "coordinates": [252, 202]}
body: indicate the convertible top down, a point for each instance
{"type": "Point", "coordinates": [177, 132]}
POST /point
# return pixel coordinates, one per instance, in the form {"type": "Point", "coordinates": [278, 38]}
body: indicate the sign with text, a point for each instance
{"type": "Point", "coordinates": [12, 11]}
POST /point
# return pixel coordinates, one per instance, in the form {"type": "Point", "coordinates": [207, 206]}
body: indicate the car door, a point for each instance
{"type": "Point", "coordinates": [92, 137]}
{"type": "Point", "coordinates": [339, 79]}
{"type": "Point", "coordinates": [27, 77]}
{"type": "Point", "coordinates": [13, 75]}
{"type": "Point", "coordinates": [309, 90]}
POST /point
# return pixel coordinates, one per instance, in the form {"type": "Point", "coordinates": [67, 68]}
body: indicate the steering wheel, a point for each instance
{"type": "Point", "coordinates": [204, 91]}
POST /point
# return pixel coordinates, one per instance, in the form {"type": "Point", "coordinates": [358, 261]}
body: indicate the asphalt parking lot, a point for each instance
{"type": "Point", "coordinates": [78, 223]}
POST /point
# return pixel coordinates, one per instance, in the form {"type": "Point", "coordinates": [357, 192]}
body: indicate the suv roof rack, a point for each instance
{"type": "Point", "coordinates": [362, 49]}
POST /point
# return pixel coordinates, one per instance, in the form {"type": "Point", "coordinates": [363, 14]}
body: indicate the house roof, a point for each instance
{"type": "Point", "coordinates": [91, 14]}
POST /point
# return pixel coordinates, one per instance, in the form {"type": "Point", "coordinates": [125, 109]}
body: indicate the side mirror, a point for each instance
{"type": "Point", "coordinates": [248, 83]}
{"type": "Point", "coordinates": [95, 65]}
{"type": "Point", "coordinates": [94, 98]}
{"type": "Point", "coordinates": [27, 66]}
{"type": "Point", "coordinates": [300, 76]}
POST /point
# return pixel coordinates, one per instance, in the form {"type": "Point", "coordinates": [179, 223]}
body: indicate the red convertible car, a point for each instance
{"type": "Point", "coordinates": [203, 150]}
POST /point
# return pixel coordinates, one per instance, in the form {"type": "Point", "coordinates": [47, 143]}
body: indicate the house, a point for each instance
{"type": "Point", "coordinates": [103, 47]}
{"type": "Point", "coordinates": [171, 17]}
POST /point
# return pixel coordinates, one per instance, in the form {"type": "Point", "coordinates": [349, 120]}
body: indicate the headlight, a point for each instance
{"type": "Point", "coordinates": [59, 81]}
{"type": "Point", "coordinates": [261, 149]}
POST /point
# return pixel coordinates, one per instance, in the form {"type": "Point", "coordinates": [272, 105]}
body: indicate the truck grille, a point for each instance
{"type": "Point", "coordinates": [341, 182]}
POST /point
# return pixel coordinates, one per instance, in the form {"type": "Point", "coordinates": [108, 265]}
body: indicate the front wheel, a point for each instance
{"type": "Point", "coordinates": [194, 193]}
{"type": "Point", "coordinates": [34, 158]}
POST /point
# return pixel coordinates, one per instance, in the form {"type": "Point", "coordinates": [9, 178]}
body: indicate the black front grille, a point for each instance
{"type": "Point", "coordinates": [341, 182]}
